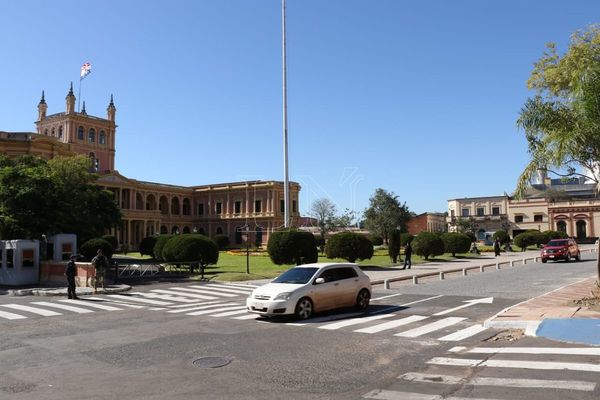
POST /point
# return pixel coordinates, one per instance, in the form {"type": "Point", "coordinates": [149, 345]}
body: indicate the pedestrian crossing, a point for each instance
{"type": "Point", "coordinates": [500, 373]}
{"type": "Point", "coordinates": [228, 301]}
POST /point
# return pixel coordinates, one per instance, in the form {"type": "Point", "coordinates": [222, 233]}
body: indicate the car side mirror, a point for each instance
{"type": "Point", "coordinates": [318, 281]}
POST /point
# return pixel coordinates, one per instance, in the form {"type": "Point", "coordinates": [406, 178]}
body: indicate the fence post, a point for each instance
{"type": "Point", "coordinates": [386, 284]}
{"type": "Point", "coordinates": [481, 268]}
{"type": "Point", "coordinates": [441, 276]}
{"type": "Point", "coordinates": [512, 263]}
{"type": "Point", "coordinates": [415, 280]}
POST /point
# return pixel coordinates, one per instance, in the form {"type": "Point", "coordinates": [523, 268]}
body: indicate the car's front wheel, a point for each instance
{"type": "Point", "coordinates": [304, 308]}
{"type": "Point", "coordinates": [362, 300]}
{"type": "Point", "coordinates": [544, 260]}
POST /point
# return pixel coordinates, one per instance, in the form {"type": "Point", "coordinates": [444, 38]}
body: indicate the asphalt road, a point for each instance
{"type": "Point", "coordinates": [146, 350]}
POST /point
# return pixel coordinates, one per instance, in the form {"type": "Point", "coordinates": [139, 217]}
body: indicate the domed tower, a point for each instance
{"type": "Point", "coordinates": [84, 133]}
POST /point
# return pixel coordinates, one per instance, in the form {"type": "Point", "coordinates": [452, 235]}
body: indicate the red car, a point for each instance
{"type": "Point", "coordinates": [561, 249]}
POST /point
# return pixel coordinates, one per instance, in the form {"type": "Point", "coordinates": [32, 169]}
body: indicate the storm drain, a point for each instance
{"type": "Point", "coordinates": [212, 362]}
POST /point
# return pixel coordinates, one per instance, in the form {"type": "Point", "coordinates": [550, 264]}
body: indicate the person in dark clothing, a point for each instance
{"type": "Point", "coordinates": [70, 272]}
{"type": "Point", "coordinates": [496, 247]}
{"type": "Point", "coordinates": [407, 255]}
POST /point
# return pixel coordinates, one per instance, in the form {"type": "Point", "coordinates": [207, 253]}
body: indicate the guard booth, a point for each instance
{"type": "Point", "coordinates": [20, 262]}
{"type": "Point", "coordinates": [61, 246]}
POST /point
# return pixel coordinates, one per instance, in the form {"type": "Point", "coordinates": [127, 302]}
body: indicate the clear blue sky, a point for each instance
{"type": "Point", "coordinates": [419, 98]}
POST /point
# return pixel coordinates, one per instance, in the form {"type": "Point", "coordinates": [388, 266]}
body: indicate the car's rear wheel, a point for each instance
{"type": "Point", "coordinates": [578, 256]}
{"type": "Point", "coordinates": [362, 300]}
{"type": "Point", "coordinates": [568, 259]}
{"type": "Point", "coordinates": [304, 308]}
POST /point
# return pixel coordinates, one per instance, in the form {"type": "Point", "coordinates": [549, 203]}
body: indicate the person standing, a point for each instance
{"type": "Point", "coordinates": [407, 256]}
{"type": "Point", "coordinates": [497, 247]}
{"type": "Point", "coordinates": [70, 273]}
{"type": "Point", "coordinates": [100, 264]}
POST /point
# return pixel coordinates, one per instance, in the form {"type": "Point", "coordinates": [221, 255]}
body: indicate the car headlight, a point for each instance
{"type": "Point", "coordinates": [283, 296]}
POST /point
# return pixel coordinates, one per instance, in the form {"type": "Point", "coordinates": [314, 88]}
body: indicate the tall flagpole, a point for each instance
{"type": "Point", "coordinates": [286, 188]}
{"type": "Point", "coordinates": [79, 94]}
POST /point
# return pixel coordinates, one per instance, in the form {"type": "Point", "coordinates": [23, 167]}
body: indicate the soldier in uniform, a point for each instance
{"type": "Point", "coordinates": [70, 272]}
{"type": "Point", "coordinates": [100, 263]}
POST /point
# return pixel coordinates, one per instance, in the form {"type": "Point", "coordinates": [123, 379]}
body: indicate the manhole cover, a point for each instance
{"type": "Point", "coordinates": [212, 362]}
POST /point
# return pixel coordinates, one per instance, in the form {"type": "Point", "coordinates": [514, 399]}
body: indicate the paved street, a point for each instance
{"type": "Point", "coordinates": [415, 342]}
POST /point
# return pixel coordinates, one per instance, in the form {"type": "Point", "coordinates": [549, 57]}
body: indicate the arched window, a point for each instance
{"type": "Point", "coordinates": [202, 231]}
{"type": "Point", "coordinates": [186, 229]}
{"type": "Point", "coordinates": [163, 230]}
{"type": "Point", "coordinates": [581, 229]}
{"type": "Point", "coordinates": [46, 132]}
{"type": "Point", "coordinates": [175, 206]}
{"type": "Point", "coordinates": [102, 138]}
{"type": "Point", "coordinates": [175, 230]}
{"type": "Point", "coordinates": [80, 133]}
{"type": "Point", "coordinates": [139, 202]}
{"type": "Point", "coordinates": [187, 207]}
{"type": "Point", "coordinates": [219, 231]}
{"type": "Point", "coordinates": [60, 132]}
{"type": "Point", "coordinates": [92, 135]}
{"type": "Point", "coordinates": [150, 202]}
{"type": "Point", "coordinates": [53, 133]}
{"type": "Point", "coordinates": [561, 226]}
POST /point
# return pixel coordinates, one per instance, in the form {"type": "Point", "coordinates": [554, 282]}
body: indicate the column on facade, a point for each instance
{"type": "Point", "coordinates": [120, 196]}
{"type": "Point", "coordinates": [247, 203]}
{"type": "Point", "coordinates": [227, 210]}
{"type": "Point", "coordinates": [572, 231]}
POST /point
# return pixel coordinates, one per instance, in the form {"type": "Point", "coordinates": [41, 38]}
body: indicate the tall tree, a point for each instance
{"type": "Point", "coordinates": [323, 210]}
{"type": "Point", "coordinates": [47, 197]}
{"type": "Point", "coordinates": [562, 121]}
{"type": "Point", "coordinates": [385, 213]}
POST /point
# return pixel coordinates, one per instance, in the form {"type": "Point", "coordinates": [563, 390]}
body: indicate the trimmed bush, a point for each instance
{"type": "Point", "coordinates": [292, 247]}
{"type": "Point", "coordinates": [555, 235]}
{"type": "Point", "coordinates": [350, 246]}
{"type": "Point", "coordinates": [222, 241]}
{"type": "Point", "coordinates": [90, 248]}
{"type": "Point", "coordinates": [191, 247]}
{"type": "Point", "coordinates": [114, 242]}
{"type": "Point", "coordinates": [376, 240]}
{"type": "Point", "coordinates": [320, 242]}
{"type": "Point", "coordinates": [502, 236]}
{"type": "Point", "coordinates": [528, 238]}
{"type": "Point", "coordinates": [147, 246]}
{"type": "Point", "coordinates": [428, 244]}
{"type": "Point", "coordinates": [161, 240]}
{"type": "Point", "coordinates": [455, 242]}
{"type": "Point", "coordinates": [394, 245]}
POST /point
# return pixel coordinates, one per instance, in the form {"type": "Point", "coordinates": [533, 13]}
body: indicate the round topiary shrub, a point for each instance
{"type": "Point", "coordinates": [191, 247]}
{"type": "Point", "coordinates": [428, 244]}
{"type": "Point", "coordinates": [114, 242]}
{"type": "Point", "coordinates": [350, 246]}
{"type": "Point", "coordinates": [222, 241]}
{"type": "Point", "coordinates": [147, 246]}
{"type": "Point", "coordinates": [292, 247]}
{"type": "Point", "coordinates": [376, 240]}
{"type": "Point", "coordinates": [161, 240]}
{"type": "Point", "coordinates": [526, 239]}
{"type": "Point", "coordinates": [90, 248]}
{"type": "Point", "coordinates": [502, 236]}
{"type": "Point", "coordinates": [455, 242]}
{"type": "Point", "coordinates": [550, 235]}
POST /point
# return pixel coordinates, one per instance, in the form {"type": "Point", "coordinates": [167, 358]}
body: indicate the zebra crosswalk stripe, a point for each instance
{"type": "Point", "coordinates": [200, 303]}
{"type": "Point", "coordinates": [392, 324]}
{"type": "Point", "coordinates": [184, 295]}
{"type": "Point", "coordinates": [116, 302]}
{"type": "Point", "coordinates": [519, 364]}
{"type": "Point", "coordinates": [395, 395]}
{"type": "Point", "coordinates": [230, 313]}
{"type": "Point", "coordinates": [203, 307]}
{"type": "Point", "coordinates": [223, 288]}
{"type": "Point", "coordinates": [463, 333]}
{"type": "Point", "coordinates": [165, 297]}
{"type": "Point", "coordinates": [34, 310]}
{"type": "Point", "coordinates": [92, 304]}
{"type": "Point", "coordinates": [432, 327]}
{"type": "Point", "coordinates": [203, 312]}
{"type": "Point", "coordinates": [243, 285]}
{"type": "Point", "coordinates": [502, 382]}
{"type": "Point", "coordinates": [74, 309]}
{"type": "Point", "coordinates": [576, 351]}
{"type": "Point", "coordinates": [137, 299]}
{"type": "Point", "coordinates": [249, 316]}
{"type": "Point", "coordinates": [200, 292]}
{"type": "Point", "coordinates": [9, 315]}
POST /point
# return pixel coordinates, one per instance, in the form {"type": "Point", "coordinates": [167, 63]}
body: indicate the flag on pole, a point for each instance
{"type": "Point", "coordinates": [85, 70]}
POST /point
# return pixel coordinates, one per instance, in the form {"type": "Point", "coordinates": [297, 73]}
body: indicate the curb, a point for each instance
{"type": "Point", "coordinates": [61, 291]}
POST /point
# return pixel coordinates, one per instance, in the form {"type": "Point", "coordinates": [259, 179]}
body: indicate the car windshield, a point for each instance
{"type": "Point", "coordinates": [296, 275]}
{"type": "Point", "coordinates": [554, 243]}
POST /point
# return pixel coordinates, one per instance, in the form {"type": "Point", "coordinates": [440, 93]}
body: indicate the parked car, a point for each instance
{"type": "Point", "coordinates": [561, 249]}
{"type": "Point", "coordinates": [309, 288]}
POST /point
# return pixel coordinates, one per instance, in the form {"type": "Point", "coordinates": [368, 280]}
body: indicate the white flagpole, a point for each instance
{"type": "Point", "coordinates": [286, 188]}
{"type": "Point", "coordinates": [79, 92]}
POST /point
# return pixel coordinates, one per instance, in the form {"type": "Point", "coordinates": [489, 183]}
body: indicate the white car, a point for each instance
{"type": "Point", "coordinates": [309, 288]}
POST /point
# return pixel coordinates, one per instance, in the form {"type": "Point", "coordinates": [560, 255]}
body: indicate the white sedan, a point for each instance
{"type": "Point", "coordinates": [309, 288]}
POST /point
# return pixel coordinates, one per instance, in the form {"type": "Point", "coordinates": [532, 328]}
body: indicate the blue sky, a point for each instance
{"type": "Point", "coordinates": [418, 98]}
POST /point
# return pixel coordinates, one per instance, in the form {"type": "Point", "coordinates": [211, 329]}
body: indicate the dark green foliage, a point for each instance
{"type": "Point", "coordinates": [502, 236]}
{"type": "Point", "coordinates": [320, 242]}
{"type": "Point", "coordinates": [455, 242]}
{"type": "Point", "coordinates": [385, 213]}
{"type": "Point", "coordinates": [90, 248]}
{"type": "Point", "coordinates": [147, 246]}
{"type": "Point", "coordinates": [222, 241]}
{"type": "Point", "coordinates": [428, 244]}
{"type": "Point", "coordinates": [471, 236]}
{"type": "Point", "coordinates": [191, 247]}
{"type": "Point", "coordinates": [292, 247]}
{"type": "Point", "coordinates": [528, 238]}
{"type": "Point", "coordinates": [406, 238]}
{"type": "Point", "coordinates": [350, 246]}
{"type": "Point", "coordinates": [555, 235]}
{"type": "Point", "coordinates": [161, 240]}
{"type": "Point", "coordinates": [48, 197]}
{"type": "Point", "coordinates": [394, 245]}
{"type": "Point", "coordinates": [114, 242]}
{"type": "Point", "coordinates": [376, 240]}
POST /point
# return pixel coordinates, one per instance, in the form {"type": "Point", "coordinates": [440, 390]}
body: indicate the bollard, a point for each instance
{"type": "Point", "coordinates": [441, 276]}
{"type": "Point", "coordinates": [497, 265]}
{"type": "Point", "coordinates": [524, 261]}
{"type": "Point", "coordinates": [481, 268]}
{"type": "Point", "coordinates": [415, 280]}
{"type": "Point", "coordinates": [386, 284]}
{"type": "Point", "coordinates": [512, 263]}
{"type": "Point", "coordinates": [464, 272]}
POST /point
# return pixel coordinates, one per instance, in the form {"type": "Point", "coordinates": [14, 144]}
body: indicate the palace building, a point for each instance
{"type": "Point", "coordinates": [148, 208]}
